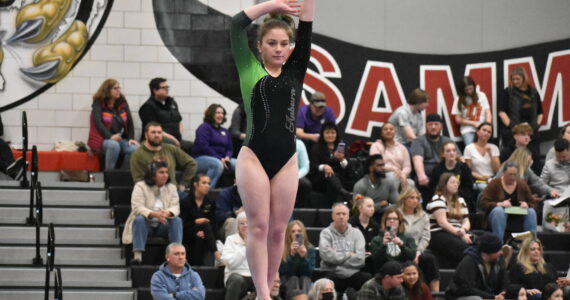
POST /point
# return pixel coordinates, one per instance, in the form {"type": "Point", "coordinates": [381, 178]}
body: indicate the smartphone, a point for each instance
{"type": "Point", "coordinates": [299, 239]}
{"type": "Point", "coordinates": [341, 147]}
{"type": "Point", "coordinates": [392, 232]}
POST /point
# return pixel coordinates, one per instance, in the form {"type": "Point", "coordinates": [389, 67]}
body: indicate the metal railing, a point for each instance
{"type": "Point", "coordinates": [50, 264]}
{"type": "Point", "coordinates": [38, 222]}
{"type": "Point", "coordinates": [24, 182]}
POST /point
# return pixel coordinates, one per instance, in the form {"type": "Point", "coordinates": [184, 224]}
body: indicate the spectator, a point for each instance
{"type": "Point", "coordinates": [482, 158]}
{"type": "Point", "coordinates": [329, 165]}
{"type": "Point", "coordinates": [391, 243]}
{"type": "Point", "coordinates": [197, 212]}
{"type": "Point", "coordinates": [425, 153]}
{"type": "Point", "coordinates": [531, 271]}
{"type": "Point", "coordinates": [449, 220]}
{"type": "Point", "coordinates": [154, 210]}
{"type": "Point", "coordinates": [396, 156]}
{"type": "Point", "coordinates": [341, 248]}
{"type": "Point", "coordinates": [299, 257]}
{"type": "Point", "coordinates": [228, 206]}
{"type": "Point", "coordinates": [363, 219]}
{"type": "Point", "coordinates": [565, 134]}
{"type": "Point", "coordinates": [238, 128]}
{"type": "Point", "coordinates": [305, 186]}
{"type": "Point", "coordinates": [311, 118]}
{"type": "Point", "coordinates": [556, 172]}
{"type": "Point", "coordinates": [471, 109]}
{"type": "Point", "coordinates": [12, 168]}
{"type": "Point", "coordinates": [523, 159]}
{"type": "Point", "coordinates": [507, 191]}
{"type": "Point", "coordinates": [408, 118]}
{"type": "Point", "coordinates": [522, 135]}
{"type": "Point", "coordinates": [519, 103]}
{"type": "Point", "coordinates": [237, 277]}
{"type": "Point", "coordinates": [163, 109]}
{"type": "Point", "coordinates": [450, 163]}
{"type": "Point", "coordinates": [376, 185]}
{"type": "Point", "coordinates": [297, 295]}
{"type": "Point", "coordinates": [413, 285]}
{"type": "Point", "coordinates": [515, 292]}
{"type": "Point", "coordinates": [153, 147]}
{"type": "Point", "coordinates": [273, 293]}
{"type": "Point", "coordinates": [213, 145]}
{"type": "Point", "coordinates": [417, 225]}
{"type": "Point", "coordinates": [111, 129]}
{"type": "Point", "coordinates": [481, 274]}
{"type": "Point", "coordinates": [552, 292]}
{"type": "Point", "coordinates": [323, 289]}
{"type": "Point", "coordinates": [386, 285]}
{"type": "Point", "coordinates": [175, 279]}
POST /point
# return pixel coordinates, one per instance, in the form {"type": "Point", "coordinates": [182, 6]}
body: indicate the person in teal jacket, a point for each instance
{"type": "Point", "coordinates": [392, 243]}
{"type": "Point", "coordinates": [298, 260]}
{"type": "Point", "coordinates": [175, 279]}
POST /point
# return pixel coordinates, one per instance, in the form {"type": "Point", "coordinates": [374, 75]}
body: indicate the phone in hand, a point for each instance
{"type": "Point", "coordinates": [392, 231]}
{"type": "Point", "coordinates": [300, 239]}
{"type": "Point", "coordinates": [341, 147]}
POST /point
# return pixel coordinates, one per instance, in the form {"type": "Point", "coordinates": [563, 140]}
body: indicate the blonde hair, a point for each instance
{"type": "Point", "coordinates": [407, 193]}
{"type": "Point", "coordinates": [287, 244]}
{"type": "Point", "coordinates": [401, 226]}
{"type": "Point", "coordinates": [358, 201]}
{"type": "Point", "coordinates": [524, 258]}
{"type": "Point", "coordinates": [520, 156]}
{"type": "Point", "coordinates": [520, 71]}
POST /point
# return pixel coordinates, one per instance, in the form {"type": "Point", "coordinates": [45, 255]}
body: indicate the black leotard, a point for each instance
{"type": "Point", "coordinates": [270, 103]}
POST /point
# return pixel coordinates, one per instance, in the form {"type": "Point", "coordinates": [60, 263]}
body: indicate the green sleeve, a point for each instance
{"type": "Point", "coordinates": [187, 164]}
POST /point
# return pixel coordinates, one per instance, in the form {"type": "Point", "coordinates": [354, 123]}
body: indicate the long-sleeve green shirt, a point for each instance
{"type": "Point", "coordinates": [176, 158]}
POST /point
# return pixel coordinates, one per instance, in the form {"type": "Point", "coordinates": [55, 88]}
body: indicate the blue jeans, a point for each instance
{"type": "Point", "coordinates": [213, 167]}
{"type": "Point", "coordinates": [468, 138]}
{"type": "Point", "coordinates": [112, 149]}
{"type": "Point", "coordinates": [142, 230]}
{"type": "Point", "coordinates": [498, 220]}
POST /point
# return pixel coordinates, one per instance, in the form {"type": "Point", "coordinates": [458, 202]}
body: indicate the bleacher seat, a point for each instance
{"type": "Point", "coordinates": [324, 217]}
{"type": "Point", "coordinates": [313, 234]}
{"type": "Point", "coordinates": [118, 178]}
{"type": "Point", "coordinates": [120, 195]}
{"type": "Point", "coordinates": [306, 215]}
{"type": "Point", "coordinates": [121, 213]}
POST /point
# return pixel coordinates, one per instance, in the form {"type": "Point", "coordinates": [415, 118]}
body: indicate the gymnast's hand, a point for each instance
{"type": "Point", "coordinates": [288, 7]}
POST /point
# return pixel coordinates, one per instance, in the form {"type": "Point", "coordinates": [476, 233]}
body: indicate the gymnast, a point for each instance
{"type": "Point", "coordinates": [266, 171]}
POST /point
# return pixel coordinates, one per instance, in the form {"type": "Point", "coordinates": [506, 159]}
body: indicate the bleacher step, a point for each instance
{"type": "Point", "coordinates": [70, 294]}
{"type": "Point", "coordinates": [64, 235]}
{"type": "Point", "coordinates": [59, 216]}
{"type": "Point", "coordinates": [89, 256]}
{"type": "Point", "coordinates": [95, 275]}
{"type": "Point", "coordinates": [55, 197]}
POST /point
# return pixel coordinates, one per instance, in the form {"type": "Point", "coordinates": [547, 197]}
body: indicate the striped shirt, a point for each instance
{"type": "Point", "coordinates": [438, 202]}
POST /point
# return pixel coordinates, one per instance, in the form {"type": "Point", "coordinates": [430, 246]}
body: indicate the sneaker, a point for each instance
{"type": "Point", "coordinates": [16, 168]}
{"type": "Point", "coordinates": [135, 262]}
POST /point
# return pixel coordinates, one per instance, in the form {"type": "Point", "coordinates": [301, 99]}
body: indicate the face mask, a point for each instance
{"type": "Point", "coordinates": [327, 296]}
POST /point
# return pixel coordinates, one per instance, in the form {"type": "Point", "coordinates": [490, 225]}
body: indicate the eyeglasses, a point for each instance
{"type": "Point", "coordinates": [392, 219]}
{"type": "Point", "coordinates": [166, 87]}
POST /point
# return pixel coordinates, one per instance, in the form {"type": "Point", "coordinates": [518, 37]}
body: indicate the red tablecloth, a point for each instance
{"type": "Point", "coordinates": [55, 161]}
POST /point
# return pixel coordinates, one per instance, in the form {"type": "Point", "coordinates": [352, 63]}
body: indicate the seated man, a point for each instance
{"type": "Point", "coordinates": [342, 248]}
{"type": "Point", "coordinates": [481, 274]}
{"type": "Point", "coordinates": [408, 119]}
{"type": "Point", "coordinates": [310, 119]}
{"type": "Point", "coordinates": [153, 147]}
{"type": "Point", "coordinates": [175, 279]}
{"type": "Point", "coordinates": [228, 206]}
{"type": "Point", "coordinates": [155, 209]}
{"type": "Point", "coordinates": [383, 190]}
{"type": "Point", "coordinates": [274, 293]}
{"type": "Point", "coordinates": [556, 172]}
{"type": "Point", "coordinates": [237, 276]}
{"type": "Point", "coordinates": [522, 135]}
{"type": "Point", "coordinates": [386, 285]}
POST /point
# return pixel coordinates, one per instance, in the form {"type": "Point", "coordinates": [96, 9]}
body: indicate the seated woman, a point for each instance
{"type": "Point", "coordinates": [531, 271]}
{"type": "Point", "coordinates": [392, 243]}
{"type": "Point", "coordinates": [323, 289]}
{"type": "Point", "coordinates": [450, 163]}
{"type": "Point", "coordinates": [449, 219]}
{"type": "Point", "coordinates": [213, 144]}
{"type": "Point", "coordinates": [299, 258]}
{"type": "Point", "coordinates": [416, 223]}
{"type": "Point", "coordinates": [396, 156]}
{"type": "Point", "coordinates": [415, 288]}
{"type": "Point", "coordinates": [329, 164]}
{"type": "Point", "coordinates": [111, 129]}
{"type": "Point", "coordinates": [237, 276]}
{"type": "Point", "coordinates": [552, 292]}
{"type": "Point", "coordinates": [154, 210]}
{"type": "Point", "coordinates": [504, 192]}
{"type": "Point", "coordinates": [482, 157]}
{"type": "Point", "coordinates": [515, 292]}
{"type": "Point", "coordinates": [198, 213]}
{"type": "Point", "coordinates": [362, 218]}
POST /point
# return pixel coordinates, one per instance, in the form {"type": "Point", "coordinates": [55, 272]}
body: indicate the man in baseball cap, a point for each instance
{"type": "Point", "coordinates": [310, 119]}
{"type": "Point", "coordinates": [386, 285]}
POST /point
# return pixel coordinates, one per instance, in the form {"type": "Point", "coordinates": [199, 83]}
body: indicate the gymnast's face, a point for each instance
{"type": "Point", "coordinates": [275, 47]}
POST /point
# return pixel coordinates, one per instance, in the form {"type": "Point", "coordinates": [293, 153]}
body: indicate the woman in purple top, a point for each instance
{"type": "Point", "coordinates": [213, 145]}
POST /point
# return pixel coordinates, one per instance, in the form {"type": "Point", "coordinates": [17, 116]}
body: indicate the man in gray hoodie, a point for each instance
{"type": "Point", "coordinates": [341, 248]}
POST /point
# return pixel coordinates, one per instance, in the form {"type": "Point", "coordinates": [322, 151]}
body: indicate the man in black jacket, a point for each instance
{"type": "Point", "coordinates": [162, 108]}
{"type": "Point", "coordinates": [481, 274]}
